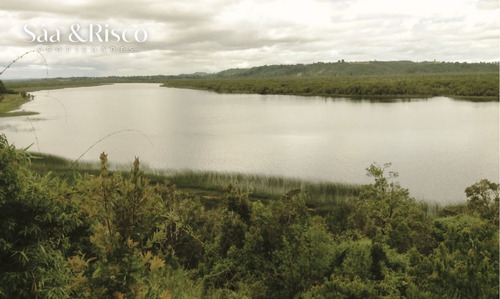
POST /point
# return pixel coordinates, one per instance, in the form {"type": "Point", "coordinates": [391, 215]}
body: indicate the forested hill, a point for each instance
{"type": "Point", "coordinates": [341, 68]}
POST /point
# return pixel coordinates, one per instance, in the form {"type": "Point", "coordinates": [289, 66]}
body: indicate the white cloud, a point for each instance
{"type": "Point", "coordinates": [218, 34]}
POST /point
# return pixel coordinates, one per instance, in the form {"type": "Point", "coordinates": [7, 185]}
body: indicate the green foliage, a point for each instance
{"type": "Point", "coordinates": [481, 86]}
{"type": "Point", "coordinates": [261, 186]}
{"type": "Point", "coordinates": [125, 214]}
{"type": "Point", "coordinates": [483, 200]}
{"type": "Point", "coordinates": [114, 235]}
{"type": "Point", "coordinates": [4, 90]}
{"type": "Point", "coordinates": [467, 253]}
{"type": "Point", "coordinates": [10, 102]}
{"type": "Point", "coordinates": [385, 211]}
{"type": "Point", "coordinates": [38, 227]}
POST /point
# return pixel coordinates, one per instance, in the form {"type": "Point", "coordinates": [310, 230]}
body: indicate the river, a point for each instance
{"type": "Point", "coordinates": [439, 146]}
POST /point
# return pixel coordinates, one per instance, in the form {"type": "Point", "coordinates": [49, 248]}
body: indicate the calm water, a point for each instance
{"type": "Point", "coordinates": [439, 146]}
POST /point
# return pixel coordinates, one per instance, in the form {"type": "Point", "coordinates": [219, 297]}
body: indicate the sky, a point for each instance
{"type": "Point", "coordinates": [170, 37]}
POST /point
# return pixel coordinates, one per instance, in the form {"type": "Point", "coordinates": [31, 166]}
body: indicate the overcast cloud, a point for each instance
{"type": "Point", "coordinates": [210, 36]}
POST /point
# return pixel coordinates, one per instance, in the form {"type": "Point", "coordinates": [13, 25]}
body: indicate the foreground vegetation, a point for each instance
{"type": "Point", "coordinates": [482, 86]}
{"type": "Point", "coordinates": [118, 235]}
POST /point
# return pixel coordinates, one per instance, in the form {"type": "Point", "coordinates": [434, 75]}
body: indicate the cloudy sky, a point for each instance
{"type": "Point", "coordinates": [181, 36]}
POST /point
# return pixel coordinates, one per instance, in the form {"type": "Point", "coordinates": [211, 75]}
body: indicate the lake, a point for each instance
{"type": "Point", "coordinates": [439, 146]}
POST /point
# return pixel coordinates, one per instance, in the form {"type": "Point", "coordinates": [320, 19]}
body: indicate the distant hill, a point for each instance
{"type": "Point", "coordinates": [369, 68]}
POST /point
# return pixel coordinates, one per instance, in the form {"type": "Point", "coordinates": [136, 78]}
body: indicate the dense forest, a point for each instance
{"type": "Point", "coordinates": [472, 86]}
{"type": "Point", "coordinates": [118, 235]}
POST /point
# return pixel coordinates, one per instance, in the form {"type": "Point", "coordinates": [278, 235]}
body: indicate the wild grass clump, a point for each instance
{"type": "Point", "coordinates": [259, 186]}
{"type": "Point", "coordinates": [10, 102]}
{"type": "Point", "coordinates": [264, 186]}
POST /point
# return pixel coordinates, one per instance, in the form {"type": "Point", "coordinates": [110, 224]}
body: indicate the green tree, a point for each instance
{"type": "Point", "coordinates": [464, 264]}
{"type": "Point", "coordinates": [39, 228]}
{"type": "Point", "coordinates": [483, 200]}
{"type": "Point", "coordinates": [386, 210]}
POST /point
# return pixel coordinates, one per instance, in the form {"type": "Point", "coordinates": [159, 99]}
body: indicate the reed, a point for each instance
{"type": "Point", "coordinates": [10, 102]}
{"type": "Point", "coordinates": [260, 186]}
{"type": "Point", "coordinates": [265, 186]}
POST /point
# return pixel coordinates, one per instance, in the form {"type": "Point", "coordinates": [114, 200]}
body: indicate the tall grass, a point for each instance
{"type": "Point", "coordinates": [259, 186]}
{"type": "Point", "coordinates": [10, 102]}
{"type": "Point", "coordinates": [263, 186]}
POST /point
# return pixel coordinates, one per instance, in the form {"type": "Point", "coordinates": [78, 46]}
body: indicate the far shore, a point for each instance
{"type": "Point", "coordinates": [469, 87]}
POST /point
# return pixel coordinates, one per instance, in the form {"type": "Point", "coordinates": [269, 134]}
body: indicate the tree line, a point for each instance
{"type": "Point", "coordinates": [360, 68]}
{"type": "Point", "coordinates": [479, 86]}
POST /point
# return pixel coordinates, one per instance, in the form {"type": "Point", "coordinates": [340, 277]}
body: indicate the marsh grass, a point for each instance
{"type": "Point", "coordinates": [323, 198]}
{"type": "Point", "coordinates": [208, 184]}
{"type": "Point", "coordinates": [10, 102]}
{"type": "Point", "coordinates": [263, 186]}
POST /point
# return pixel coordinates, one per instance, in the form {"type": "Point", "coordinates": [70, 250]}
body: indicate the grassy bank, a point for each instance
{"type": "Point", "coordinates": [37, 85]}
{"type": "Point", "coordinates": [14, 93]}
{"type": "Point", "coordinates": [477, 86]}
{"type": "Point", "coordinates": [209, 185]}
{"type": "Point", "coordinates": [12, 90]}
{"type": "Point", "coordinates": [11, 102]}
{"type": "Point", "coordinates": [58, 83]}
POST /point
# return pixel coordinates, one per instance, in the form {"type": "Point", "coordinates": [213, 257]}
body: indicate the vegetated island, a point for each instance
{"type": "Point", "coordinates": [373, 79]}
{"type": "Point", "coordinates": [108, 234]}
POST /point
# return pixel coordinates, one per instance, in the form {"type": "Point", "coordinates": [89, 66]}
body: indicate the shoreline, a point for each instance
{"type": "Point", "coordinates": [469, 87]}
{"type": "Point", "coordinates": [206, 184]}
{"type": "Point", "coordinates": [11, 103]}
{"type": "Point", "coordinates": [375, 98]}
